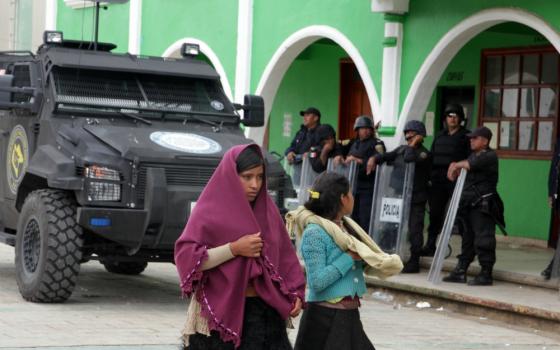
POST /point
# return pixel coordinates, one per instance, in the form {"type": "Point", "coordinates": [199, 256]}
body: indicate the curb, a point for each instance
{"type": "Point", "coordinates": [466, 299]}
{"type": "Point", "coordinates": [500, 275]}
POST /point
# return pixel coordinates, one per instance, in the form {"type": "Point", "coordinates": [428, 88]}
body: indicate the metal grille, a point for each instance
{"type": "Point", "coordinates": [96, 88]}
{"type": "Point", "coordinates": [122, 90]}
{"type": "Point", "coordinates": [182, 175]}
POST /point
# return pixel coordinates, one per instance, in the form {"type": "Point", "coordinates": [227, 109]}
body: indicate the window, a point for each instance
{"type": "Point", "coordinates": [519, 89]}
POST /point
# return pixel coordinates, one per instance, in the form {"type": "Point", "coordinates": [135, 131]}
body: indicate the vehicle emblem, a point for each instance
{"type": "Point", "coordinates": [17, 157]}
{"type": "Point", "coordinates": [217, 105]}
{"type": "Point", "coordinates": [185, 142]}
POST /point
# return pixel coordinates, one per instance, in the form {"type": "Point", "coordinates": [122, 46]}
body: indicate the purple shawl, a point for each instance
{"type": "Point", "coordinates": [222, 215]}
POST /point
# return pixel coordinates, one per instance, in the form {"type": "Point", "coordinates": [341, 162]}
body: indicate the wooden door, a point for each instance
{"type": "Point", "coordinates": [354, 100]}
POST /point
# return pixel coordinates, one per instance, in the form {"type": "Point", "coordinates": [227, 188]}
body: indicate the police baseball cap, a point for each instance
{"type": "Point", "coordinates": [310, 110]}
{"type": "Point", "coordinates": [481, 131]}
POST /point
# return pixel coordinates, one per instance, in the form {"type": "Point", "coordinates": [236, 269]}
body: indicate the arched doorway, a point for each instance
{"type": "Point", "coordinates": [507, 103]}
{"type": "Point", "coordinates": [289, 50]}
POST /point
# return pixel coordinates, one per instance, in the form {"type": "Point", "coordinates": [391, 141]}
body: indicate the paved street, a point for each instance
{"type": "Point", "coordinates": [112, 312]}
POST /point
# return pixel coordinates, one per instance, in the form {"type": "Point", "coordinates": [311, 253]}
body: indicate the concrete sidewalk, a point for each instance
{"type": "Point", "coordinates": [519, 294]}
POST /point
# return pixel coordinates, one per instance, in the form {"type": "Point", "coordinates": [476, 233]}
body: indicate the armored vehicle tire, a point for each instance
{"type": "Point", "coordinates": [48, 247]}
{"type": "Point", "coordinates": [125, 267]}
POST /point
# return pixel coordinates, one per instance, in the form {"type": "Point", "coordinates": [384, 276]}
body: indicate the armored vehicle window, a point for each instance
{"type": "Point", "coordinates": [22, 78]}
{"type": "Point", "coordinates": [93, 88]}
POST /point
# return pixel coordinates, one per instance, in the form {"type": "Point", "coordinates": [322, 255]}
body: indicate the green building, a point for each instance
{"type": "Point", "coordinates": [394, 59]}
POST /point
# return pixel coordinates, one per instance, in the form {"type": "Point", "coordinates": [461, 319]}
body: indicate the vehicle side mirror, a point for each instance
{"type": "Point", "coordinates": [5, 94]}
{"type": "Point", "coordinates": [253, 106]}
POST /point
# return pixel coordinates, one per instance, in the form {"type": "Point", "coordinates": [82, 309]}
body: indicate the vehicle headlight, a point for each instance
{"type": "Point", "coordinates": [102, 173]}
{"type": "Point", "coordinates": [105, 190]}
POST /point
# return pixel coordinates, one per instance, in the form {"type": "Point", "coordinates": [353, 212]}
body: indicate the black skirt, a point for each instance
{"type": "Point", "coordinates": [263, 329]}
{"type": "Point", "coordinates": [323, 328]}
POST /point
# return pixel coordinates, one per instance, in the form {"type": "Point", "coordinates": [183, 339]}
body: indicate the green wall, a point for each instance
{"type": "Point", "coordinates": [312, 80]}
{"type": "Point", "coordinates": [275, 21]}
{"type": "Point", "coordinates": [211, 21]}
{"type": "Point", "coordinates": [521, 181]}
{"type": "Point", "coordinates": [428, 21]}
{"type": "Point", "coordinates": [77, 24]}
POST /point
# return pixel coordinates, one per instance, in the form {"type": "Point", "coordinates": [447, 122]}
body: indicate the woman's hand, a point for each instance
{"type": "Point", "coordinates": [355, 256]}
{"type": "Point", "coordinates": [297, 308]}
{"type": "Point", "coordinates": [249, 246]}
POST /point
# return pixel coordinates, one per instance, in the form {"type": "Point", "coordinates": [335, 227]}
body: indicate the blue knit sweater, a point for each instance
{"type": "Point", "coordinates": [331, 273]}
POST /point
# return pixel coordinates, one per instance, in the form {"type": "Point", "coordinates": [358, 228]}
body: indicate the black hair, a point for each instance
{"type": "Point", "coordinates": [331, 187]}
{"type": "Point", "coordinates": [248, 159]}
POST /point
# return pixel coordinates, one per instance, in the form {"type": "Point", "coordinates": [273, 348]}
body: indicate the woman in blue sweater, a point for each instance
{"type": "Point", "coordinates": [335, 278]}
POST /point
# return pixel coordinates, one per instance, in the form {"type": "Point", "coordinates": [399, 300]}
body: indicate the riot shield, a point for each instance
{"type": "Point", "coordinates": [294, 170]}
{"type": "Point", "coordinates": [349, 171]}
{"type": "Point", "coordinates": [391, 206]}
{"type": "Point", "coordinates": [434, 275]}
{"type": "Point", "coordinates": [308, 176]}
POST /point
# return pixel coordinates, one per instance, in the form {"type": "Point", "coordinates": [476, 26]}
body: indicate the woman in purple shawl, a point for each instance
{"type": "Point", "coordinates": [236, 262]}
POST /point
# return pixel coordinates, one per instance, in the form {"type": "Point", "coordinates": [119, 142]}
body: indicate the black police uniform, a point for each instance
{"type": "Point", "coordinates": [554, 193]}
{"type": "Point", "coordinates": [363, 194]}
{"type": "Point", "coordinates": [479, 194]}
{"type": "Point", "coordinates": [445, 149]}
{"type": "Point", "coordinates": [304, 139]}
{"type": "Point", "coordinates": [315, 159]}
{"type": "Point", "coordinates": [423, 160]}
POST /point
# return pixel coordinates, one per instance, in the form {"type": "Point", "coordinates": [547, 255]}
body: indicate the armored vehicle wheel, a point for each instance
{"type": "Point", "coordinates": [125, 267]}
{"type": "Point", "coordinates": [48, 247]}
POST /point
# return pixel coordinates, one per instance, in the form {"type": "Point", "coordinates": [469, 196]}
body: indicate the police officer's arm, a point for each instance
{"type": "Point", "coordinates": [328, 147]}
{"type": "Point", "coordinates": [475, 161]}
{"type": "Point", "coordinates": [455, 167]}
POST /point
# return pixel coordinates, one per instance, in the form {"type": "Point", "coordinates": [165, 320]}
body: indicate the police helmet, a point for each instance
{"type": "Point", "coordinates": [415, 125]}
{"type": "Point", "coordinates": [363, 121]}
{"type": "Point", "coordinates": [456, 109]}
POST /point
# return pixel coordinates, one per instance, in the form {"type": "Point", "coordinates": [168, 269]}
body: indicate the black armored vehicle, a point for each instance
{"type": "Point", "coordinates": [105, 156]}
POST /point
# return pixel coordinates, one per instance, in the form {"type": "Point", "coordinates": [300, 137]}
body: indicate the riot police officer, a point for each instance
{"type": "Point", "coordinates": [305, 137]}
{"type": "Point", "coordinates": [450, 145]}
{"type": "Point", "coordinates": [553, 202]}
{"type": "Point", "coordinates": [326, 148]}
{"type": "Point", "coordinates": [479, 200]}
{"type": "Point", "coordinates": [360, 149]}
{"type": "Point", "coordinates": [413, 151]}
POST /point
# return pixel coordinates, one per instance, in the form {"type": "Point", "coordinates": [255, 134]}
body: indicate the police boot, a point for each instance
{"type": "Point", "coordinates": [412, 265]}
{"type": "Point", "coordinates": [546, 273]}
{"type": "Point", "coordinates": [430, 248]}
{"type": "Point", "coordinates": [484, 278]}
{"type": "Point", "coordinates": [459, 274]}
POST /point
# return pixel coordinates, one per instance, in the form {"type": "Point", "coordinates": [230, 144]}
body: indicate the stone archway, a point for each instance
{"type": "Point", "coordinates": [439, 58]}
{"type": "Point", "coordinates": [286, 54]}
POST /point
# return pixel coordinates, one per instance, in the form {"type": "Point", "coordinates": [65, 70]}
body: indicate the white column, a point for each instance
{"type": "Point", "coordinates": [50, 14]}
{"type": "Point", "coordinates": [134, 26]}
{"type": "Point", "coordinates": [390, 78]}
{"type": "Point", "coordinates": [244, 46]}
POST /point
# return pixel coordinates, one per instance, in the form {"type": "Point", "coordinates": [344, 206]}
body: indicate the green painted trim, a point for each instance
{"type": "Point", "coordinates": [391, 17]}
{"type": "Point", "coordinates": [387, 130]}
{"type": "Point", "coordinates": [390, 41]}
